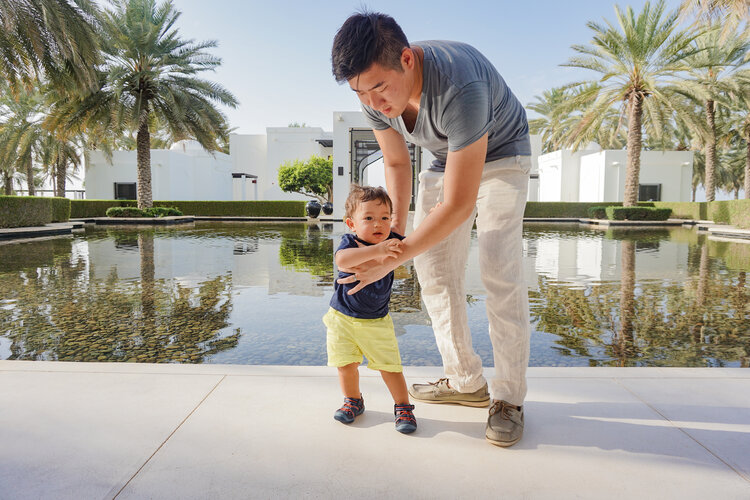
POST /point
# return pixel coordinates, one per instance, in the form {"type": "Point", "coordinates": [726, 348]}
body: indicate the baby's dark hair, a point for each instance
{"type": "Point", "coordinates": [361, 194]}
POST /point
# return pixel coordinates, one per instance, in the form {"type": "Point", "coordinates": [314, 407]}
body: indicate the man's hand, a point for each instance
{"type": "Point", "coordinates": [367, 273]}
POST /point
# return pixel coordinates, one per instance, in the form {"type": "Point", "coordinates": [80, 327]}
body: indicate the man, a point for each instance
{"type": "Point", "coordinates": [448, 98]}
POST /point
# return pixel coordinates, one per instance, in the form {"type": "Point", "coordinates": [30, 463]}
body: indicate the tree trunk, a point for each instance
{"type": "Point", "coordinates": [710, 152]}
{"type": "Point", "coordinates": [635, 110]}
{"type": "Point", "coordinates": [7, 183]}
{"type": "Point", "coordinates": [143, 142]}
{"type": "Point", "coordinates": [736, 193]}
{"type": "Point", "coordinates": [30, 176]}
{"type": "Point", "coordinates": [60, 174]}
{"type": "Point", "coordinates": [747, 168]}
{"type": "Point", "coordinates": [627, 301]}
{"type": "Point", "coordinates": [698, 312]}
{"type": "Point", "coordinates": [694, 189]}
{"type": "Point", "coordinates": [148, 288]}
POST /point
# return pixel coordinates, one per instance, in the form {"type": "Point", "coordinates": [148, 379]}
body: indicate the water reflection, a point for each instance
{"type": "Point", "coordinates": [54, 311]}
{"type": "Point", "coordinates": [698, 316]}
{"type": "Point", "coordinates": [254, 293]}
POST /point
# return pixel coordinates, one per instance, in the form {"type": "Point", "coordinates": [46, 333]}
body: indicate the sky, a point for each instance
{"type": "Point", "coordinates": [276, 55]}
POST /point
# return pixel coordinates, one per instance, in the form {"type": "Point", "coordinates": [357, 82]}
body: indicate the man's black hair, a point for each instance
{"type": "Point", "coordinates": [366, 38]}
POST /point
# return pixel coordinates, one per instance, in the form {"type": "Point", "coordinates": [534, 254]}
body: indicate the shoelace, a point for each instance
{"type": "Point", "coordinates": [351, 405]}
{"type": "Point", "coordinates": [404, 412]}
{"type": "Point", "coordinates": [503, 407]}
{"type": "Point", "coordinates": [439, 381]}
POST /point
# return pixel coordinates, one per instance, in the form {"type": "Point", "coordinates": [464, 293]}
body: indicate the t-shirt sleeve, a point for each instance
{"type": "Point", "coordinates": [374, 119]}
{"type": "Point", "coordinates": [468, 116]}
{"type": "Point", "coordinates": [347, 241]}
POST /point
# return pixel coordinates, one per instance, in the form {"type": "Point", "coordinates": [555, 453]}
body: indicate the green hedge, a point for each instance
{"type": "Point", "coordinates": [637, 213]}
{"type": "Point", "coordinates": [734, 212]}
{"type": "Point", "coordinates": [82, 209]}
{"type": "Point", "coordinates": [569, 210]}
{"type": "Point", "coordinates": [24, 211]}
{"type": "Point", "coordinates": [98, 208]}
{"type": "Point", "coordinates": [60, 209]}
{"type": "Point", "coordinates": [685, 209]}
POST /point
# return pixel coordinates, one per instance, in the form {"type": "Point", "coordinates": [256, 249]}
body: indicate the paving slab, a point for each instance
{"type": "Point", "coordinates": [106, 430]}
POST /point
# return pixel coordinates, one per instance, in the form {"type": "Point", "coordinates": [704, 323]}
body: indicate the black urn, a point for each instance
{"type": "Point", "coordinates": [312, 209]}
{"type": "Point", "coordinates": [328, 208]}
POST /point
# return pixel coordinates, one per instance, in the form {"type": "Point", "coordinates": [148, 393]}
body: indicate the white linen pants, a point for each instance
{"type": "Point", "coordinates": [441, 272]}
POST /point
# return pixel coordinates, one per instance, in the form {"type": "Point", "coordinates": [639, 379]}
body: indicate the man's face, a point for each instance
{"type": "Point", "coordinates": [383, 89]}
{"type": "Point", "coordinates": [371, 221]}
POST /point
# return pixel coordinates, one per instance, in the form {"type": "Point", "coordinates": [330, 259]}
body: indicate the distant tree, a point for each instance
{"type": "Point", "coordinates": [297, 125]}
{"type": "Point", "coordinates": [312, 177]}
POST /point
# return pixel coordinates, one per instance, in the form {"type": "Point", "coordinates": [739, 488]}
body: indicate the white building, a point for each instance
{"type": "Point", "coordinates": [188, 172]}
{"type": "Point", "coordinates": [184, 172]}
{"type": "Point", "coordinates": [593, 175]}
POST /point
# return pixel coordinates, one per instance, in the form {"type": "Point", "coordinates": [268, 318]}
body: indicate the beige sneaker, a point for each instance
{"type": "Point", "coordinates": [442, 392]}
{"type": "Point", "coordinates": [505, 424]}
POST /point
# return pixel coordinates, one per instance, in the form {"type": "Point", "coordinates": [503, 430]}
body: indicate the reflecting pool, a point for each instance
{"type": "Point", "coordinates": [254, 293]}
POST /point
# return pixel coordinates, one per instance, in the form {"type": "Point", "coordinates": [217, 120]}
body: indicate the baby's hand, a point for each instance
{"type": "Point", "coordinates": [436, 206]}
{"type": "Point", "coordinates": [390, 248]}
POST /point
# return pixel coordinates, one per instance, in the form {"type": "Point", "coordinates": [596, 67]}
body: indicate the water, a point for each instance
{"type": "Point", "coordinates": [254, 293]}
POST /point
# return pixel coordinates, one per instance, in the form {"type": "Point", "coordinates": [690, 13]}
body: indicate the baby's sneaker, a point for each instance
{"type": "Point", "coordinates": [352, 408]}
{"type": "Point", "coordinates": [405, 421]}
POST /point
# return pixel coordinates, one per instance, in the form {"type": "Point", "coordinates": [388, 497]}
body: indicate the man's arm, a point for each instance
{"type": "Point", "coordinates": [463, 174]}
{"type": "Point", "coordinates": [398, 175]}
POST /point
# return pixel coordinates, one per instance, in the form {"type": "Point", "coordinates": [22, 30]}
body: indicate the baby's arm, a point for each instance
{"type": "Point", "coordinates": [352, 257]}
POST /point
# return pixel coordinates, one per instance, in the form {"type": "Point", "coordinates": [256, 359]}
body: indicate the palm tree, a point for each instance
{"type": "Point", "coordinates": [714, 66]}
{"type": "Point", "coordinates": [739, 134]}
{"type": "Point", "coordinates": [729, 13]}
{"type": "Point", "coordinates": [55, 36]}
{"type": "Point", "coordinates": [21, 131]}
{"type": "Point", "coordinates": [558, 118]}
{"type": "Point", "coordinates": [634, 59]}
{"type": "Point", "coordinates": [149, 73]}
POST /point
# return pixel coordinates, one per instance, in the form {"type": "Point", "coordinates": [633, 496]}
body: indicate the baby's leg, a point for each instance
{"type": "Point", "coordinates": [397, 385]}
{"type": "Point", "coordinates": [349, 380]}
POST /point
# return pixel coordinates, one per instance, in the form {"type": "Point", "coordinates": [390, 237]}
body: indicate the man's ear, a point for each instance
{"type": "Point", "coordinates": [407, 58]}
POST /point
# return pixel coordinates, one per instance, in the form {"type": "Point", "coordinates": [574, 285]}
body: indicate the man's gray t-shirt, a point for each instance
{"type": "Point", "coordinates": [463, 98]}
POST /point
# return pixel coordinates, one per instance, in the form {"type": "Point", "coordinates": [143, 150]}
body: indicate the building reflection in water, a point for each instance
{"type": "Point", "coordinates": [254, 293]}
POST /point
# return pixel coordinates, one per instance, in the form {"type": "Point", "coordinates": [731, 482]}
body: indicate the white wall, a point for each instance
{"type": "Point", "coordinates": [175, 175]}
{"type": "Point", "coordinates": [288, 144]}
{"type": "Point", "coordinates": [343, 122]}
{"type": "Point", "coordinates": [602, 174]}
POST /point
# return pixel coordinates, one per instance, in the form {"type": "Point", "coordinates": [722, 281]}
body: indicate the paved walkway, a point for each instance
{"type": "Point", "coordinates": [99, 430]}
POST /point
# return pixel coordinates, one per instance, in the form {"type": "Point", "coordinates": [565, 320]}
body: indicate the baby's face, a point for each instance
{"type": "Point", "coordinates": [371, 221]}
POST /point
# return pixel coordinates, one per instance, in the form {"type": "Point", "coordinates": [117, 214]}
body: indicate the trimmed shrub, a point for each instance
{"type": "Point", "coordinates": [638, 213]}
{"type": "Point", "coordinates": [60, 209]}
{"type": "Point", "coordinates": [161, 212]}
{"type": "Point", "coordinates": [23, 211]}
{"type": "Point", "coordinates": [125, 212]}
{"type": "Point", "coordinates": [597, 212]}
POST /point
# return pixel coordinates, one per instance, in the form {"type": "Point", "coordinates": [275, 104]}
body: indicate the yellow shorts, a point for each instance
{"type": "Point", "coordinates": [349, 338]}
